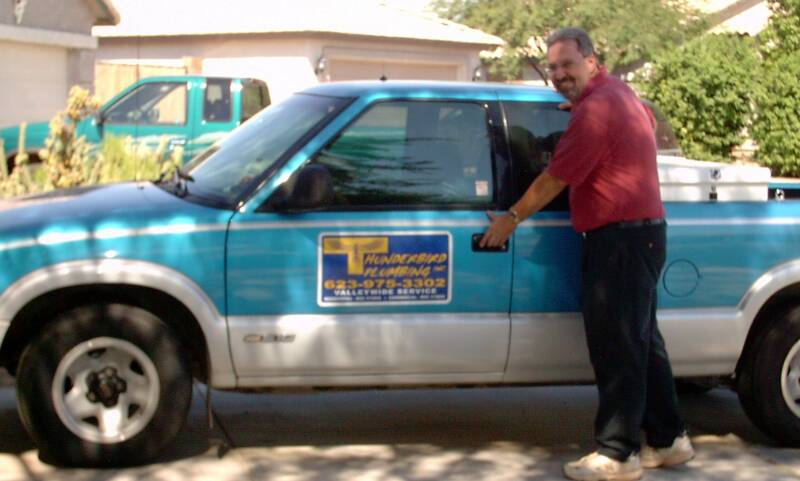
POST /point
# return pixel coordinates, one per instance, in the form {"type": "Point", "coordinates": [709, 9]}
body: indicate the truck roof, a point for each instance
{"type": "Point", "coordinates": [437, 89]}
{"type": "Point", "coordinates": [192, 78]}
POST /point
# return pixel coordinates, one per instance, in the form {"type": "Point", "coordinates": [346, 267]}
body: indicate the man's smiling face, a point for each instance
{"type": "Point", "coordinates": [568, 69]}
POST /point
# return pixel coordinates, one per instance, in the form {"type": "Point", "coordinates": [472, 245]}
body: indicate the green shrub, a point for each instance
{"type": "Point", "coordinates": [66, 155]}
{"type": "Point", "coordinates": [706, 89]}
{"type": "Point", "coordinates": [120, 158]}
{"type": "Point", "coordinates": [19, 181]}
{"type": "Point", "coordinates": [776, 126]}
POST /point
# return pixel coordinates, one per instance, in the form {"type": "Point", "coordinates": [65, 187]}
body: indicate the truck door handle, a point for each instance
{"type": "Point", "coordinates": [476, 245]}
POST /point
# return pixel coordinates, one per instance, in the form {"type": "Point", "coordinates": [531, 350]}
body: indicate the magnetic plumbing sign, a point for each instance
{"type": "Point", "coordinates": [396, 267]}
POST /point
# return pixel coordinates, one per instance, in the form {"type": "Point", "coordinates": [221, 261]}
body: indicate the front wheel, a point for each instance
{"type": "Point", "coordinates": [103, 385]}
{"type": "Point", "coordinates": [769, 381]}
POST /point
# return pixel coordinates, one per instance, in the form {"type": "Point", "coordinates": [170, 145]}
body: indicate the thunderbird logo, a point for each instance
{"type": "Point", "coordinates": [355, 248]}
{"type": "Point", "coordinates": [396, 267]}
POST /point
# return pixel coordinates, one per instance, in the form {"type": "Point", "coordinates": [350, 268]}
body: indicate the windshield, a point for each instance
{"type": "Point", "coordinates": [227, 168]}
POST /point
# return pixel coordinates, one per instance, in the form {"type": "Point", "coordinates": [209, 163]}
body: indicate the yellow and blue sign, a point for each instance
{"type": "Point", "coordinates": [385, 268]}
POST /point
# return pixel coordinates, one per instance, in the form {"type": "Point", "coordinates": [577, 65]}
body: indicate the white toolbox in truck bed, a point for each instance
{"type": "Point", "coordinates": [685, 180]}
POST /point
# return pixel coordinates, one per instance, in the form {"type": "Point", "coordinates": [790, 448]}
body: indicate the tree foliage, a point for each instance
{"type": "Point", "coordinates": [776, 126]}
{"type": "Point", "coordinates": [782, 36]}
{"type": "Point", "coordinates": [706, 89]}
{"type": "Point", "coordinates": [625, 31]}
{"type": "Point", "coordinates": [719, 86]}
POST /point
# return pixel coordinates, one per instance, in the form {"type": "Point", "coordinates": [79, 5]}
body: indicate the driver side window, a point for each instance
{"type": "Point", "coordinates": [413, 153]}
{"type": "Point", "coordinates": [151, 103]}
{"type": "Point", "coordinates": [534, 129]}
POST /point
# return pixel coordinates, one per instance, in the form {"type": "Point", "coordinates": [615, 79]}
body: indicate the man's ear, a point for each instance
{"type": "Point", "coordinates": [594, 64]}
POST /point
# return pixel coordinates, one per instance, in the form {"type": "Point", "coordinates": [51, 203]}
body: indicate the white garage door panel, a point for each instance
{"type": "Point", "coordinates": [360, 70]}
{"type": "Point", "coordinates": [33, 82]}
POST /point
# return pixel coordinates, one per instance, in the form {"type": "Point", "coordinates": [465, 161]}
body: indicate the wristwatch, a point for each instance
{"type": "Point", "coordinates": [514, 216]}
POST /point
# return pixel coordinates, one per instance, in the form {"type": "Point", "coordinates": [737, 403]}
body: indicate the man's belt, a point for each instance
{"type": "Point", "coordinates": [626, 224]}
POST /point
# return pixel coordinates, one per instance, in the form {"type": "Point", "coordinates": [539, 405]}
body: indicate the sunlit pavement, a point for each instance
{"type": "Point", "coordinates": [459, 434]}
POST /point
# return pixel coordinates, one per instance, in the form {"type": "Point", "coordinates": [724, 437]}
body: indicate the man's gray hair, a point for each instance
{"type": "Point", "coordinates": [585, 45]}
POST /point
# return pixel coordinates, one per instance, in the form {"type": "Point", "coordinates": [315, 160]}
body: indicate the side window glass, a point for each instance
{"type": "Point", "coordinates": [534, 130]}
{"type": "Point", "coordinates": [265, 99]}
{"type": "Point", "coordinates": [666, 142]}
{"type": "Point", "coordinates": [151, 103]}
{"type": "Point", "coordinates": [413, 154]}
{"type": "Point", "coordinates": [254, 98]}
{"type": "Point", "coordinates": [217, 101]}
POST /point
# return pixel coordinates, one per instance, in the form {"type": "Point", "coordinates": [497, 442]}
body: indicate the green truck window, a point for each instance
{"type": "Point", "coordinates": [217, 101]}
{"type": "Point", "coordinates": [151, 103]}
{"type": "Point", "coordinates": [255, 97]}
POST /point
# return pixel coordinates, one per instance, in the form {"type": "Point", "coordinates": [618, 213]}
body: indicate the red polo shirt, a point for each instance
{"type": "Point", "coordinates": [607, 155]}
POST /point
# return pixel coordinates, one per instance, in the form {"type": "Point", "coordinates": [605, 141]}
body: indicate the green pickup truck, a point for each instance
{"type": "Point", "coordinates": [191, 111]}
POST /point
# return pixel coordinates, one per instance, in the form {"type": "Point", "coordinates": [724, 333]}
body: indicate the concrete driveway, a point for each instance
{"type": "Point", "coordinates": [468, 434]}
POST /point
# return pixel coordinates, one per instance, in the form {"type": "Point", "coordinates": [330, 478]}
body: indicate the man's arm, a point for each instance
{"type": "Point", "coordinates": [544, 189]}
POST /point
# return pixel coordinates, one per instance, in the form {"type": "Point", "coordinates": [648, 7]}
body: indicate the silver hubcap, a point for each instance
{"type": "Point", "coordinates": [790, 379]}
{"type": "Point", "coordinates": [106, 390]}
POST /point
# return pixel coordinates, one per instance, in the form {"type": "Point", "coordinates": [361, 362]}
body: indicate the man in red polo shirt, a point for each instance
{"type": "Point", "coordinates": [607, 156]}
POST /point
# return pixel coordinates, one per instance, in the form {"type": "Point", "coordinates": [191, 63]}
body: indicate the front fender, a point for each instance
{"type": "Point", "coordinates": [35, 136]}
{"type": "Point", "coordinates": [130, 272]}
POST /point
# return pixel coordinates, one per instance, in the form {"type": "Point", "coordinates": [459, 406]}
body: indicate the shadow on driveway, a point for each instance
{"type": "Point", "coordinates": [433, 434]}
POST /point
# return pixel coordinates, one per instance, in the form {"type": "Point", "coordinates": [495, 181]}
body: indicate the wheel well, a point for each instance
{"type": "Point", "coordinates": [33, 158]}
{"type": "Point", "coordinates": [779, 302]}
{"type": "Point", "coordinates": [40, 311]}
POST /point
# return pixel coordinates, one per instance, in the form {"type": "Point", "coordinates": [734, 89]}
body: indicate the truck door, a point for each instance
{"type": "Point", "coordinates": [152, 112]}
{"type": "Point", "coordinates": [548, 343]}
{"type": "Point", "coordinates": [386, 283]}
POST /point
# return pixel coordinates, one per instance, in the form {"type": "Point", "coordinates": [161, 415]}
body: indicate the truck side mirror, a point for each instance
{"type": "Point", "coordinates": [310, 188]}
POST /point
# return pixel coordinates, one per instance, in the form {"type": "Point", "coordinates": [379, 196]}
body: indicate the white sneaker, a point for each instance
{"type": "Point", "coordinates": [680, 452]}
{"type": "Point", "coordinates": [597, 467]}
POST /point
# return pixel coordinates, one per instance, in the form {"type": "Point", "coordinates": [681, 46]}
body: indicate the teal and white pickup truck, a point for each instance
{"type": "Point", "coordinates": [190, 111]}
{"type": "Point", "coordinates": [332, 241]}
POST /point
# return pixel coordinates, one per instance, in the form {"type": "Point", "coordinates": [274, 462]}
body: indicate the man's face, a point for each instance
{"type": "Point", "coordinates": [568, 69]}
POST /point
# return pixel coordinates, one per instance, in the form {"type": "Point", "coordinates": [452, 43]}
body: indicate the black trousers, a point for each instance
{"type": "Point", "coordinates": [621, 268]}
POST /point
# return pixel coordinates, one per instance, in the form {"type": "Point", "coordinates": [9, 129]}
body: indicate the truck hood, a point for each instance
{"type": "Point", "coordinates": [89, 210]}
{"type": "Point", "coordinates": [35, 135]}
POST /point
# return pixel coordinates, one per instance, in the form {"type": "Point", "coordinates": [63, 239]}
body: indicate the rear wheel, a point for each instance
{"type": "Point", "coordinates": [769, 379]}
{"type": "Point", "coordinates": [103, 385]}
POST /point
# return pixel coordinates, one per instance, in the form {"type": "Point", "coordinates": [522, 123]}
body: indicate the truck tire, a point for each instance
{"type": "Point", "coordinates": [769, 379]}
{"type": "Point", "coordinates": [103, 385]}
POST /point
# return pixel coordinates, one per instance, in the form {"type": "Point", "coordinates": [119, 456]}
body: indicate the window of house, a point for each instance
{"type": "Point", "coordinates": [410, 153]}
{"type": "Point", "coordinates": [151, 103]}
{"type": "Point", "coordinates": [534, 129]}
{"type": "Point", "coordinates": [217, 100]}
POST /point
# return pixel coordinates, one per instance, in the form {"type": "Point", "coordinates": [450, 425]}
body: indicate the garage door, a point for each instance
{"type": "Point", "coordinates": [363, 70]}
{"type": "Point", "coordinates": [33, 82]}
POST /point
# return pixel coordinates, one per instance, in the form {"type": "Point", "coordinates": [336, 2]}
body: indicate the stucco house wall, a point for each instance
{"type": "Point", "coordinates": [289, 63]}
{"type": "Point", "coordinates": [44, 51]}
{"type": "Point", "coordinates": [292, 45]}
